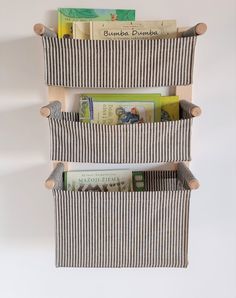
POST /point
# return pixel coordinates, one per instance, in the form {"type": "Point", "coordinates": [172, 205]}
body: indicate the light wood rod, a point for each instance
{"type": "Point", "coordinates": [190, 108]}
{"type": "Point", "coordinates": [42, 30]}
{"type": "Point", "coordinates": [198, 29]}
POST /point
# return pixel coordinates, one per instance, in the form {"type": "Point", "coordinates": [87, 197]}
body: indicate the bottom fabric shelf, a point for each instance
{"type": "Point", "coordinates": [124, 229]}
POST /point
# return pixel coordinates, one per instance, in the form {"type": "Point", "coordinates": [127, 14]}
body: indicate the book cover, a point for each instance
{"type": "Point", "coordinates": [169, 108]}
{"type": "Point", "coordinates": [66, 16]}
{"type": "Point", "coordinates": [102, 181]}
{"type": "Point", "coordinates": [115, 109]}
{"type": "Point", "coordinates": [138, 181]}
{"type": "Point", "coordinates": [133, 30]}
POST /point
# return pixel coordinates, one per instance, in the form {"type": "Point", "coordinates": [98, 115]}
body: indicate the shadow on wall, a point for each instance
{"type": "Point", "coordinates": [22, 66]}
{"type": "Point", "coordinates": [26, 213]}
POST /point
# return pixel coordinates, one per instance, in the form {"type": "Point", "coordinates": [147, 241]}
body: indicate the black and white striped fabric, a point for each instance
{"type": "Point", "coordinates": [74, 141]}
{"type": "Point", "coordinates": [118, 63]}
{"type": "Point", "coordinates": [122, 229]}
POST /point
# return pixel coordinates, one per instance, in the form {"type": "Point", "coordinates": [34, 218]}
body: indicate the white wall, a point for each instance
{"type": "Point", "coordinates": [26, 207]}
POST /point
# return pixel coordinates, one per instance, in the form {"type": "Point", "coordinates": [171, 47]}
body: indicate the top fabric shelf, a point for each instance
{"type": "Point", "coordinates": [119, 63]}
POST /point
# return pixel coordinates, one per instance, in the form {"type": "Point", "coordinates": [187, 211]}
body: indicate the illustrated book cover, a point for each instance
{"type": "Point", "coordinates": [115, 109]}
{"type": "Point", "coordinates": [102, 181]}
{"type": "Point", "coordinates": [66, 17]}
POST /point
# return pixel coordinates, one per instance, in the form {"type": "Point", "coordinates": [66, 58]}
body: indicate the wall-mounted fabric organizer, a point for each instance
{"type": "Point", "coordinates": [74, 141]}
{"type": "Point", "coordinates": [124, 229]}
{"type": "Point", "coordinates": [121, 229]}
{"type": "Point", "coordinates": [118, 63]}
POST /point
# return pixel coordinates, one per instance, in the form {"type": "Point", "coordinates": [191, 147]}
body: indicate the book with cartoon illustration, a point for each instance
{"type": "Point", "coordinates": [66, 17]}
{"type": "Point", "coordinates": [115, 109]}
{"type": "Point", "coordinates": [101, 181]}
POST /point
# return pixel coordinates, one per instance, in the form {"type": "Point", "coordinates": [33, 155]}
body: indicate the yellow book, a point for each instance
{"type": "Point", "coordinates": [133, 29]}
{"type": "Point", "coordinates": [169, 108]}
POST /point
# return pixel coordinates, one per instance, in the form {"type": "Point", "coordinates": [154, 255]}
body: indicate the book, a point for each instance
{"type": "Point", "coordinates": [169, 108]}
{"type": "Point", "coordinates": [102, 181]}
{"type": "Point", "coordinates": [138, 181]}
{"type": "Point", "coordinates": [66, 17]}
{"type": "Point", "coordinates": [115, 109]}
{"type": "Point", "coordinates": [81, 30]}
{"type": "Point", "coordinates": [133, 29]}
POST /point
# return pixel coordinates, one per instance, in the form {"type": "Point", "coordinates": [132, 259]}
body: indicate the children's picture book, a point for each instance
{"type": "Point", "coordinates": [66, 17]}
{"type": "Point", "coordinates": [101, 181]}
{"type": "Point", "coordinates": [133, 29]}
{"type": "Point", "coordinates": [169, 108]}
{"type": "Point", "coordinates": [115, 109]}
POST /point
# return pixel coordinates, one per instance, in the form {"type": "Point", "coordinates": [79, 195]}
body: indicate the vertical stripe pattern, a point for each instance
{"type": "Point", "coordinates": [118, 63]}
{"type": "Point", "coordinates": [74, 141]}
{"type": "Point", "coordinates": [129, 229]}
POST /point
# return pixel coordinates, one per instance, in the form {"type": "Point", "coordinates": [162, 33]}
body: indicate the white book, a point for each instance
{"type": "Point", "coordinates": [133, 29]}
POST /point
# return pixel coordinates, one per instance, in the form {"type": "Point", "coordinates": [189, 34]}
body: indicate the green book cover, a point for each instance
{"type": "Point", "coordinates": [169, 108]}
{"type": "Point", "coordinates": [102, 181]}
{"type": "Point", "coordinates": [66, 17]}
{"type": "Point", "coordinates": [138, 181]}
{"type": "Point", "coordinates": [116, 109]}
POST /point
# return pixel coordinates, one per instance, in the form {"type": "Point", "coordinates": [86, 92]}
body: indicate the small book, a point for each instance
{"type": "Point", "coordinates": [138, 181]}
{"type": "Point", "coordinates": [133, 30]}
{"type": "Point", "coordinates": [66, 16]}
{"type": "Point", "coordinates": [115, 109]}
{"type": "Point", "coordinates": [169, 108]}
{"type": "Point", "coordinates": [102, 181]}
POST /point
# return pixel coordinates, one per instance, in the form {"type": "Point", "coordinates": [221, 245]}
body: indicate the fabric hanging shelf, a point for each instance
{"type": "Point", "coordinates": [124, 229]}
{"type": "Point", "coordinates": [74, 141]}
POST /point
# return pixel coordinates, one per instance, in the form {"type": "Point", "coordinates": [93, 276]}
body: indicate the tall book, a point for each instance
{"type": "Point", "coordinates": [66, 16]}
{"type": "Point", "coordinates": [133, 29]}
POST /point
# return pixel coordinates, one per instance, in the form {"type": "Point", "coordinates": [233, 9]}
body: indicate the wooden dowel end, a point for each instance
{"type": "Point", "coordinates": [50, 183]}
{"type": "Point", "coordinates": [201, 28]}
{"type": "Point", "coordinates": [39, 29]}
{"type": "Point", "coordinates": [194, 184]}
{"type": "Point", "coordinates": [196, 111]}
{"type": "Point", "coordinates": [45, 112]}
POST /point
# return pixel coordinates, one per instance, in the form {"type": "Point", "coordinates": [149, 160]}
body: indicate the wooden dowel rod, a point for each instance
{"type": "Point", "coordinates": [192, 109]}
{"type": "Point", "coordinates": [55, 180]}
{"type": "Point", "coordinates": [186, 176]}
{"type": "Point", "coordinates": [42, 30]}
{"type": "Point", "coordinates": [199, 29]}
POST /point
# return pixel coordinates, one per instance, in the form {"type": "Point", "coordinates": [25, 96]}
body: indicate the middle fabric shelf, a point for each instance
{"type": "Point", "coordinates": [74, 141]}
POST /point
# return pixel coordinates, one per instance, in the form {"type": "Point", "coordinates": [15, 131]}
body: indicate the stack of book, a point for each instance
{"type": "Point", "coordinates": [118, 109]}
{"type": "Point", "coordinates": [82, 23]}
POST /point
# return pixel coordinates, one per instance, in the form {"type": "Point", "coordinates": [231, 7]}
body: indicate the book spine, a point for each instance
{"type": "Point", "coordinates": [91, 30]}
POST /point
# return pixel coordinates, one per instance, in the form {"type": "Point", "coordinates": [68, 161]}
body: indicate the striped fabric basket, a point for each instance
{"type": "Point", "coordinates": [118, 63]}
{"type": "Point", "coordinates": [74, 141]}
{"type": "Point", "coordinates": [124, 229]}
